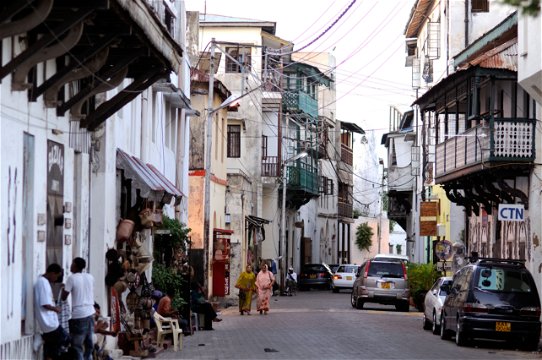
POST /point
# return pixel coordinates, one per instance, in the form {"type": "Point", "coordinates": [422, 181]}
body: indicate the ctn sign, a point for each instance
{"type": "Point", "coordinates": [511, 212]}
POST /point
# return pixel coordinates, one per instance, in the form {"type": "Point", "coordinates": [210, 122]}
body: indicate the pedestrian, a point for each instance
{"type": "Point", "coordinates": [291, 281]}
{"type": "Point", "coordinates": [246, 283]}
{"type": "Point", "coordinates": [264, 283]}
{"type": "Point", "coordinates": [166, 309]}
{"type": "Point", "coordinates": [47, 312]}
{"type": "Point", "coordinates": [81, 287]}
{"type": "Point", "coordinates": [202, 306]}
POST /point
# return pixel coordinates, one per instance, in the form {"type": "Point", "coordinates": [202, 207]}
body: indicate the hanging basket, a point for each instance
{"type": "Point", "coordinates": [125, 230]}
{"type": "Point", "coordinates": [146, 215]}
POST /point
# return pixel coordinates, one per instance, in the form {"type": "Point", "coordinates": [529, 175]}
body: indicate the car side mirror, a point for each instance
{"type": "Point", "coordinates": [434, 292]}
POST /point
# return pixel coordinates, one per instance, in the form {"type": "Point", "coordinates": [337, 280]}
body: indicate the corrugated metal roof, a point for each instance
{"type": "Point", "coordinates": [151, 183]}
{"type": "Point", "coordinates": [504, 57]}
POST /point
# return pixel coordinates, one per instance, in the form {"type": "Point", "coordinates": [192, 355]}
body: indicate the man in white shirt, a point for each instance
{"type": "Point", "coordinates": [47, 313]}
{"type": "Point", "coordinates": [81, 287]}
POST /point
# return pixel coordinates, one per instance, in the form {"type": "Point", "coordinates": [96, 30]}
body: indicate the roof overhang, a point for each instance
{"type": "Point", "coordinates": [418, 16]}
{"type": "Point", "coordinates": [351, 127]}
{"type": "Point", "coordinates": [98, 43]}
{"type": "Point", "coordinates": [151, 183]}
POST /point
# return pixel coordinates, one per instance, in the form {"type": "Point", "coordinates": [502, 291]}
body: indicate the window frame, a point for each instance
{"type": "Point", "coordinates": [234, 141]}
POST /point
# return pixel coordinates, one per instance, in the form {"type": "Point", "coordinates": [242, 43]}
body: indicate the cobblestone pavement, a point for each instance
{"type": "Point", "coordinates": [323, 325]}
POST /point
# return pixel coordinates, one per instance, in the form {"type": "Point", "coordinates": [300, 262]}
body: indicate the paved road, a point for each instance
{"type": "Point", "coordinates": [323, 325]}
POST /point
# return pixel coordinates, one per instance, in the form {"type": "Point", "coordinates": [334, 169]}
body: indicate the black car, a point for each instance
{"type": "Point", "coordinates": [314, 275]}
{"type": "Point", "coordinates": [492, 299]}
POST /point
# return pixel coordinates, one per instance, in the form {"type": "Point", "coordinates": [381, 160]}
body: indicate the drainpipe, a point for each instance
{"type": "Point", "coordinates": [466, 23]}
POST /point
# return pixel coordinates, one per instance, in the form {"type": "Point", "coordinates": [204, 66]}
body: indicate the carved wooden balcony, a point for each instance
{"type": "Point", "coordinates": [499, 143]}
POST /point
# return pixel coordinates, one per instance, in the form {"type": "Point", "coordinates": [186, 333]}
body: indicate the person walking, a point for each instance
{"type": "Point", "coordinates": [246, 283]}
{"type": "Point", "coordinates": [47, 312]}
{"type": "Point", "coordinates": [291, 282]}
{"type": "Point", "coordinates": [81, 287]}
{"type": "Point", "coordinates": [264, 284]}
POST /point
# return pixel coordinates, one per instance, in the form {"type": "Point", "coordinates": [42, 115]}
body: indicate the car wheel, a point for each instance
{"type": "Point", "coordinates": [359, 304]}
{"type": "Point", "coordinates": [460, 337]}
{"type": "Point", "coordinates": [435, 328]}
{"type": "Point", "coordinates": [426, 323]}
{"type": "Point", "coordinates": [403, 306]}
{"type": "Point", "coordinates": [531, 343]}
{"type": "Point", "coordinates": [444, 334]}
{"type": "Point", "coordinates": [353, 299]}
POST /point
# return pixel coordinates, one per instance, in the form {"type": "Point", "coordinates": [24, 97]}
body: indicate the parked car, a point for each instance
{"type": "Point", "coordinates": [381, 281]}
{"type": "Point", "coordinates": [433, 304]}
{"type": "Point", "coordinates": [314, 275]}
{"type": "Point", "coordinates": [343, 277]}
{"type": "Point", "coordinates": [492, 299]}
{"type": "Point", "coordinates": [391, 257]}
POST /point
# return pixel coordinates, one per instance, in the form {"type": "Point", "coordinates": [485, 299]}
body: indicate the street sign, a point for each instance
{"type": "Point", "coordinates": [443, 249]}
{"type": "Point", "coordinates": [511, 212]}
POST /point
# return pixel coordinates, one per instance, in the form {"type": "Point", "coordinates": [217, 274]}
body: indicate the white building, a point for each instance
{"type": "Point", "coordinates": [74, 156]}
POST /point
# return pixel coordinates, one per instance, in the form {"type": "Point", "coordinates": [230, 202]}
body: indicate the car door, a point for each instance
{"type": "Point", "coordinates": [461, 292]}
{"type": "Point", "coordinates": [449, 309]}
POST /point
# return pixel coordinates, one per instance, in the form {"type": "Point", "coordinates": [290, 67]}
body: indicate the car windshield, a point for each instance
{"type": "Point", "coordinates": [504, 280]}
{"type": "Point", "coordinates": [347, 269]}
{"type": "Point", "coordinates": [313, 268]}
{"type": "Point", "coordinates": [384, 269]}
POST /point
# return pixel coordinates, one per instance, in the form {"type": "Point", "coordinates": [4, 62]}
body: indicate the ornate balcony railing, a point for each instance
{"type": "Point", "coordinates": [271, 166]}
{"type": "Point", "coordinates": [504, 140]}
{"type": "Point", "coordinates": [295, 101]}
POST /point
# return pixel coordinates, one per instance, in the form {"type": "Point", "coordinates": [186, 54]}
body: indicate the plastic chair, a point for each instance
{"type": "Point", "coordinates": [167, 325]}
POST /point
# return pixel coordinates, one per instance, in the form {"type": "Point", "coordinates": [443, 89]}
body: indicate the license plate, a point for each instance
{"type": "Point", "coordinates": [503, 326]}
{"type": "Point", "coordinates": [349, 278]}
{"type": "Point", "coordinates": [385, 285]}
{"type": "Point", "coordinates": [313, 276]}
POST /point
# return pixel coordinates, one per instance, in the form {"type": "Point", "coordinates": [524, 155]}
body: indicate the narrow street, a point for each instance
{"type": "Point", "coordinates": [323, 325]}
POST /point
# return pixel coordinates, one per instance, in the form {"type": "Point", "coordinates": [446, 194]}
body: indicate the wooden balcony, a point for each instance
{"type": "Point", "coordinates": [296, 101]}
{"type": "Point", "coordinates": [302, 184]}
{"type": "Point", "coordinates": [347, 155]}
{"type": "Point", "coordinates": [271, 166]}
{"type": "Point", "coordinates": [345, 210]}
{"type": "Point", "coordinates": [482, 147]}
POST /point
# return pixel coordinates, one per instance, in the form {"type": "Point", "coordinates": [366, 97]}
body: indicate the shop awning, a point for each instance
{"type": "Point", "coordinates": [256, 221]}
{"type": "Point", "coordinates": [151, 183]}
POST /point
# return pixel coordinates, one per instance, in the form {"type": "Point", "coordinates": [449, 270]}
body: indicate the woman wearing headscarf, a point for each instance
{"type": "Point", "coordinates": [246, 283]}
{"type": "Point", "coordinates": [264, 283]}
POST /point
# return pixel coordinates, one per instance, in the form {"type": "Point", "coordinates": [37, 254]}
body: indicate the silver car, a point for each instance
{"type": "Point", "coordinates": [381, 281]}
{"type": "Point", "coordinates": [433, 304]}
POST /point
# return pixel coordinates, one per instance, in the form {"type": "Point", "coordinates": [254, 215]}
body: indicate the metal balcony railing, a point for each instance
{"type": "Point", "coordinates": [503, 140]}
{"type": "Point", "coordinates": [296, 100]}
{"type": "Point", "coordinates": [302, 177]}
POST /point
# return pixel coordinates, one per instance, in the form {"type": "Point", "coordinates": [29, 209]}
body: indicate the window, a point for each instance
{"type": "Point", "coordinates": [479, 5]}
{"type": "Point", "coordinates": [242, 56]}
{"type": "Point", "coordinates": [234, 141]}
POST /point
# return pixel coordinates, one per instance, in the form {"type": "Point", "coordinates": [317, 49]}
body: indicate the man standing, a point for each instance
{"type": "Point", "coordinates": [47, 313]}
{"type": "Point", "coordinates": [81, 286]}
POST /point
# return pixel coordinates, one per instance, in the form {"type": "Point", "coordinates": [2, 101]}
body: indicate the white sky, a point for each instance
{"type": "Point", "coordinates": [368, 43]}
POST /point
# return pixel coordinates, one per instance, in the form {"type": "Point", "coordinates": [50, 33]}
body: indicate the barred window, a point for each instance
{"type": "Point", "coordinates": [234, 141]}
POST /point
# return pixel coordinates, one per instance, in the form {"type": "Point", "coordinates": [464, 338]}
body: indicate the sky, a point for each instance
{"type": "Point", "coordinates": [366, 37]}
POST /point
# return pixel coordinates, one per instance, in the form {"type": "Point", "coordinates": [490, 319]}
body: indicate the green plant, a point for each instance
{"type": "Point", "coordinates": [356, 213]}
{"type": "Point", "coordinates": [166, 272]}
{"type": "Point", "coordinates": [164, 278]}
{"type": "Point", "coordinates": [364, 235]}
{"type": "Point", "coordinates": [420, 279]}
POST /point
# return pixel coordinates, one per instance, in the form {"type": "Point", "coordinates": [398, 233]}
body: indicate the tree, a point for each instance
{"type": "Point", "coordinates": [529, 7]}
{"type": "Point", "coordinates": [364, 236]}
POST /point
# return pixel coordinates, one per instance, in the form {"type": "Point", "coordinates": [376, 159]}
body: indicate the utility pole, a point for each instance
{"type": "Point", "coordinates": [208, 147]}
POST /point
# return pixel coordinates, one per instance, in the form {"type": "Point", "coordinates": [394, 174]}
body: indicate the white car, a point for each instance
{"type": "Point", "coordinates": [433, 304]}
{"type": "Point", "coordinates": [344, 277]}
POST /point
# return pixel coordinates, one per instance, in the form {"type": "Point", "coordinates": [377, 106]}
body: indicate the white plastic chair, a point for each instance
{"type": "Point", "coordinates": [167, 325]}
